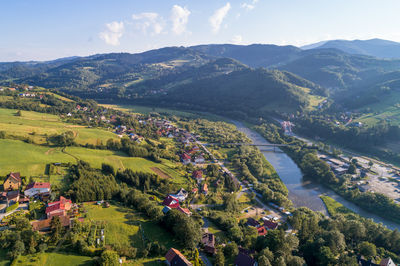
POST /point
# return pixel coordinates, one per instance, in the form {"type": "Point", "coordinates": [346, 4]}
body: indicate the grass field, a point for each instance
{"type": "Point", "coordinates": [31, 160]}
{"type": "Point", "coordinates": [334, 207]}
{"type": "Point", "coordinates": [387, 109]}
{"type": "Point", "coordinates": [41, 124]}
{"type": "Point", "coordinates": [53, 259]}
{"type": "Point", "coordinates": [122, 227]}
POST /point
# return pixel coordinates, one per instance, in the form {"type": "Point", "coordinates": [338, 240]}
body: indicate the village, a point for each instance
{"type": "Point", "coordinates": [37, 197]}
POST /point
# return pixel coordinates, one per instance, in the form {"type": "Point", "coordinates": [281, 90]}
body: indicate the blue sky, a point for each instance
{"type": "Point", "coordinates": [49, 29]}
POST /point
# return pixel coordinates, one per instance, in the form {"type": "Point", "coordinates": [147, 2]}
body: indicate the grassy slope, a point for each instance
{"type": "Point", "coordinates": [335, 207]}
{"type": "Point", "coordinates": [53, 259]}
{"type": "Point", "coordinates": [31, 159]}
{"type": "Point", "coordinates": [386, 109]}
{"type": "Point", "coordinates": [122, 227]}
{"type": "Point", "coordinates": [41, 124]}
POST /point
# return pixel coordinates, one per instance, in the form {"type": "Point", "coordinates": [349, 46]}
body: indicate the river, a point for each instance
{"type": "Point", "coordinates": [303, 193]}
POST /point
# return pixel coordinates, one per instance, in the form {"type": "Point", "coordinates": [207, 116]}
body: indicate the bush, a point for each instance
{"type": "Point", "coordinates": [12, 207]}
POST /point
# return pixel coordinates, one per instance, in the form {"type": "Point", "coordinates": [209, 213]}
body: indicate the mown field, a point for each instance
{"type": "Point", "coordinates": [36, 125]}
{"type": "Point", "coordinates": [53, 259]}
{"type": "Point", "coordinates": [387, 109]}
{"type": "Point", "coordinates": [123, 228]}
{"type": "Point", "coordinates": [31, 160]}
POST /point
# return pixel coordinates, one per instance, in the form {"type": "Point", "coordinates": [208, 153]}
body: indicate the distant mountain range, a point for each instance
{"type": "Point", "coordinates": [344, 68]}
{"type": "Point", "coordinates": [374, 47]}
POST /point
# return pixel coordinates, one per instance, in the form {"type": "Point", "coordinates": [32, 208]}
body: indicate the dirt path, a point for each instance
{"type": "Point", "coordinates": [159, 172]}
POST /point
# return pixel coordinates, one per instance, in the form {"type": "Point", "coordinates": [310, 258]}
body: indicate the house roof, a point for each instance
{"type": "Point", "coordinates": [171, 202]}
{"type": "Point", "coordinates": [38, 185]}
{"type": "Point", "coordinates": [197, 174]}
{"type": "Point", "coordinates": [175, 257]}
{"type": "Point", "coordinates": [270, 225]}
{"type": "Point", "coordinates": [16, 177]}
{"type": "Point", "coordinates": [387, 262]}
{"type": "Point", "coordinates": [186, 156]}
{"type": "Point", "coordinates": [252, 222]}
{"type": "Point", "coordinates": [244, 260]}
{"type": "Point", "coordinates": [11, 195]}
{"type": "Point", "coordinates": [184, 210]}
{"type": "Point", "coordinates": [45, 224]}
{"type": "Point", "coordinates": [62, 201]}
{"type": "Point", "coordinates": [262, 231]}
{"type": "Point", "coordinates": [208, 239]}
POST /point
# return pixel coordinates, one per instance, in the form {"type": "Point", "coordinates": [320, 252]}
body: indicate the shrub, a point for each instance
{"type": "Point", "coordinates": [12, 207]}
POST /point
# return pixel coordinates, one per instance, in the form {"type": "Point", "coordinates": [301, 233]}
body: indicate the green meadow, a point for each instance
{"type": "Point", "coordinates": [31, 160]}
{"type": "Point", "coordinates": [36, 125]}
{"type": "Point", "coordinates": [122, 227]}
{"type": "Point", "coordinates": [53, 259]}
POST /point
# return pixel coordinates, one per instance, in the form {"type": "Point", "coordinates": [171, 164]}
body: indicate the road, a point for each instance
{"type": "Point", "coordinates": [23, 206]}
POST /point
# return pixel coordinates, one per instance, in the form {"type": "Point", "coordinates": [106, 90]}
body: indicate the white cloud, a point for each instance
{"type": "Point", "coordinates": [237, 39]}
{"type": "Point", "coordinates": [254, 2]}
{"type": "Point", "coordinates": [149, 22]}
{"type": "Point", "coordinates": [218, 16]}
{"type": "Point", "coordinates": [179, 17]}
{"type": "Point", "coordinates": [247, 6]}
{"type": "Point", "coordinates": [113, 33]}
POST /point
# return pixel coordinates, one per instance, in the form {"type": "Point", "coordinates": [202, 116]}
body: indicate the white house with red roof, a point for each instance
{"type": "Point", "coordinates": [186, 158]}
{"type": "Point", "coordinates": [171, 202]}
{"type": "Point", "coordinates": [37, 188]}
{"type": "Point", "coordinates": [58, 208]}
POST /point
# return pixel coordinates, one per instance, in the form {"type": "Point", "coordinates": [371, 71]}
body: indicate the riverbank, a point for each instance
{"type": "Point", "coordinates": [305, 193]}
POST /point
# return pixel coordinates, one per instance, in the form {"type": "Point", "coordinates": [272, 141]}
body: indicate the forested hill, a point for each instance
{"type": "Point", "coordinates": [255, 55]}
{"type": "Point", "coordinates": [374, 47]}
{"type": "Point", "coordinates": [241, 93]}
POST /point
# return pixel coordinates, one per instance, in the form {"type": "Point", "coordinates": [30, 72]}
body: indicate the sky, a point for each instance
{"type": "Point", "coordinates": [50, 29]}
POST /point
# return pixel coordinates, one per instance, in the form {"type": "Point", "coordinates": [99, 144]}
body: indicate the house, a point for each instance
{"type": "Point", "coordinates": [12, 197]}
{"type": "Point", "coordinates": [199, 159]}
{"type": "Point", "coordinates": [186, 158]}
{"type": "Point", "coordinates": [387, 262]}
{"type": "Point", "coordinates": [243, 259]}
{"type": "Point", "coordinates": [198, 175]}
{"type": "Point", "coordinates": [12, 182]}
{"type": "Point", "coordinates": [184, 210]}
{"type": "Point", "coordinates": [204, 189]}
{"type": "Point", "coordinates": [171, 202]}
{"type": "Point", "coordinates": [252, 222]}
{"type": "Point", "coordinates": [208, 241]}
{"type": "Point", "coordinates": [175, 257]}
{"type": "Point", "coordinates": [44, 225]}
{"type": "Point", "coordinates": [58, 208]}
{"type": "Point", "coordinates": [270, 225]}
{"type": "Point", "coordinates": [194, 150]}
{"type": "Point", "coordinates": [261, 231]}
{"type": "Point", "coordinates": [37, 188]}
{"type": "Point", "coordinates": [181, 195]}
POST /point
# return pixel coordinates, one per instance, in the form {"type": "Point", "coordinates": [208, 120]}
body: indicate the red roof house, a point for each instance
{"type": "Point", "coordinates": [186, 159]}
{"type": "Point", "coordinates": [175, 257]}
{"type": "Point", "coordinates": [184, 210]}
{"type": "Point", "coordinates": [58, 208]}
{"type": "Point", "coordinates": [261, 231]}
{"type": "Point", "coordinates": [171, 202]}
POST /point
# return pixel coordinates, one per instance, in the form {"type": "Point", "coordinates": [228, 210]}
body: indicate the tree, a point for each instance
{"type": "Point", "coordinates": [352, 169]}
{"type": "Point", "coordinates": [42, 247]}
{"type": "Point", "coordinates": [326, 256]}
{"type": "Point", "coordinates": [264, 261]}
{"type": "Point", "coordinates": [56, 229]}
{"type": "Point", "coordinates": [367, 249]}
{"type": "Point", "coordinates": [2, 134]}
{"type": "Point", "coordinates": [370, 164]}
{"type": "Point", "coordinates": [220, 259]}
{"type": "Point", "coordinates": [109, 258]}
{"type": "Point", "coordinates": [18, 249]}
{"type": "Point", "coordinates": [196, 261]}
{"type": "Point", "coordinates": [18, 113]}
{"type": "Point", "coordinates": [231, 250]}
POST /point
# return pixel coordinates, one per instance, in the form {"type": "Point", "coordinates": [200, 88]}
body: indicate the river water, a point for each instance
{"type": "Point", "coordinates": [304, 193]}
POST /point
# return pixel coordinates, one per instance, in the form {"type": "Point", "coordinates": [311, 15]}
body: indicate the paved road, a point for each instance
{"type": "Point", "coordinates": [23, 206]}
